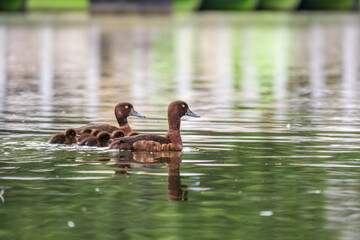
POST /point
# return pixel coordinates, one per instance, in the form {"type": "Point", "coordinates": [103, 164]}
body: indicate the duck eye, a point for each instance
{"type": "Point", "coordinates": [183, 106]}
{"type": "Point", "coordinates": [126, 106]}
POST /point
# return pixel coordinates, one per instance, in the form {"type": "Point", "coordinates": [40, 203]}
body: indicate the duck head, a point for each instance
{"type": "Point", "coordinates": [125, 109]}
{"type": "Point", "coordinates": [179, 109]}
{"type": "Point", "coordinates": [103, 137]}
{"type": "Point", "coordinates": [70, 132]}
{"type": "Point", "coordinates": [117, 134]}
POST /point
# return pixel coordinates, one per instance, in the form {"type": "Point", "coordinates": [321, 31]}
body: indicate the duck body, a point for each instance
{"type": "Point", "coordinates": [68, 137]}
{"type": "Point", "coordinates": [140, 142]}
{"type": "Point", "coordinates": [122, 112]}
{"type": "Point", "coordinates": [148, 142]}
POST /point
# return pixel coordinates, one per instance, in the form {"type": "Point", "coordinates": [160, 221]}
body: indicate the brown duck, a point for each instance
{"type": "Point", "coordinates": [67, 137]}
{"type": "Point", "coordinates": [154, 143]}
{"type": "Point", "coordinates": [122, 112]}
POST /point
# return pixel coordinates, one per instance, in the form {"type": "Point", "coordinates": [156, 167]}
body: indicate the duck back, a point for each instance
{"type": "Point", "coordinates": [102, 127]}
{"type": "Point", "coordinates": [58, 139]}
{"type": "Point", "coordinates": [128, 143]}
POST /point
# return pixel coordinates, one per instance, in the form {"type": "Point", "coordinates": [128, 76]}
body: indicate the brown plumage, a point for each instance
{"type": "Point", "coordinates": [122, 112]}
{"type": "Point", "coordinates": [95, 132]}
{"type": "Point", "coordinates": [86, 132]}
{"type": "Point", "coordinates": [117, 134]}
{"type": "Point", "coordinates": [68, 137]}
{"type": "Point", "coordinates": [154, 143]}
{"type": "Point", "coordinates": [102, 140]}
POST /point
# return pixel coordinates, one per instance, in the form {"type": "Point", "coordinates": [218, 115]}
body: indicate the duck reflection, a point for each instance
{"type": "Point", "coordinates": [126, 160]}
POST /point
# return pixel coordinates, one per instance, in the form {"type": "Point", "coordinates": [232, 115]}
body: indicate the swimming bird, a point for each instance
{"type": "Point", "coordinates": [102, 140]}
{"type": "Point", "coordinates": [68, 137]}
{"type": "Point", "coordinates": [148, 142]}
{"type": "Point", "coordinates": [117, 134]}
{"type": "Point", "coordinates": [95, 132]}
{"type": "Point", "coordinates": [122, 112]}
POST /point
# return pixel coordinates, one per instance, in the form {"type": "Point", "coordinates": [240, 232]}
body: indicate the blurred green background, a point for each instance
{"type": "Point", "coordinates": [187, 5]}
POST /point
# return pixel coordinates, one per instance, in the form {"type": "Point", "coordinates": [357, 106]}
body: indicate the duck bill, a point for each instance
{"type": "Point", "coordinates": [136, 114]}
{"type": "Point", "coordinates": [191, 114]}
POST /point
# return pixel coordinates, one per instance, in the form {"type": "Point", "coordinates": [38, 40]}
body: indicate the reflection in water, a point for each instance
{"type": "Point", "coordinates": [93, 71]}
{"type": "Point", "coordinates": [316, 61]}
{"type": "Point", "coordinates": [281, 53]}
{"type": "Point", "coordinates": [46, 71]}
{"type": "Point", "coordinates": [140, 62]}
{"type": "Point", "coordinates": [3, 50]}
{"type": "Point", "coordinates": [250, 85]}
{"type": "Point", "coordinates": [184, 47]}
{"type": "Point", "coordinates": [223, 79]}
{"type": "Point", "coordinates": [350, 61]}
{"type": "Point", "coordinates": [126, 162]}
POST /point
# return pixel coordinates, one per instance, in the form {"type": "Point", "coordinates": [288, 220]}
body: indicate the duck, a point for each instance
{"type": "Point", "coordinates": [122, 111]}
{"type": "Point", "coordinates": [67, 137]}
{"type": "Point", "coordinates": [148, 142]}
{"type": "Point", "coordinates": [101, 140]}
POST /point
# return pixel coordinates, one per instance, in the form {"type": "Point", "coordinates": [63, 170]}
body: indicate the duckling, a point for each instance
{"type": "Point", "coordinates": [122, 112]}
{"type": "Point", "coordinates": [117, 134]}
{"type": "Point", "coordinates": [154, 143]}
{"type": "Point", "coordinates": [68, 137]}
{"type": "Point", "coordinates": [102, 140]}
{"type": "Point", "coordinates": [86, 132]}
{"type": "Point", "coordinates": [95, 132]}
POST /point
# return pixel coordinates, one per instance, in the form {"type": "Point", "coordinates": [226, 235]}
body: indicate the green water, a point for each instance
{"type": "Point", "coordinates": [275, 154]}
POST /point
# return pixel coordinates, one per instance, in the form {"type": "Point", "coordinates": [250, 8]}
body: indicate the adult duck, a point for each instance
{"type": "Point", "coordinates": [148, 142]}
{"type": "Point", "coordinates": [122, 112]}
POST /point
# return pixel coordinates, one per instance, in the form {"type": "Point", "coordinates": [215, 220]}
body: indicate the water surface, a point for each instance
{"type": "Point", "coordinates": [273, 156]}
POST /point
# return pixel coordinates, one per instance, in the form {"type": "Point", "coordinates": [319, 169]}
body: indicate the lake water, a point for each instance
{"type": "Point", "coordinates": [275, 154]}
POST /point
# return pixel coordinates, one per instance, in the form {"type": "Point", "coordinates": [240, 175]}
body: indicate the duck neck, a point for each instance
{"type": "Point", "coordinates": [174, 130]}
{"type": "Point", "coordinates": [123, 124]}
{"type": "Point", "coordinates": [174, 124]}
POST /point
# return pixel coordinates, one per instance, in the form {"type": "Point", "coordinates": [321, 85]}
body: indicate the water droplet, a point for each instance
{"type": "Point", "coordinates": [71, 224]}
{"type": "Point", "coordinates": [266, 213]}
{"type": "Point", "coordinates": [97, 189]}
{"type": "Point", "coordinates": [288, 126]}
